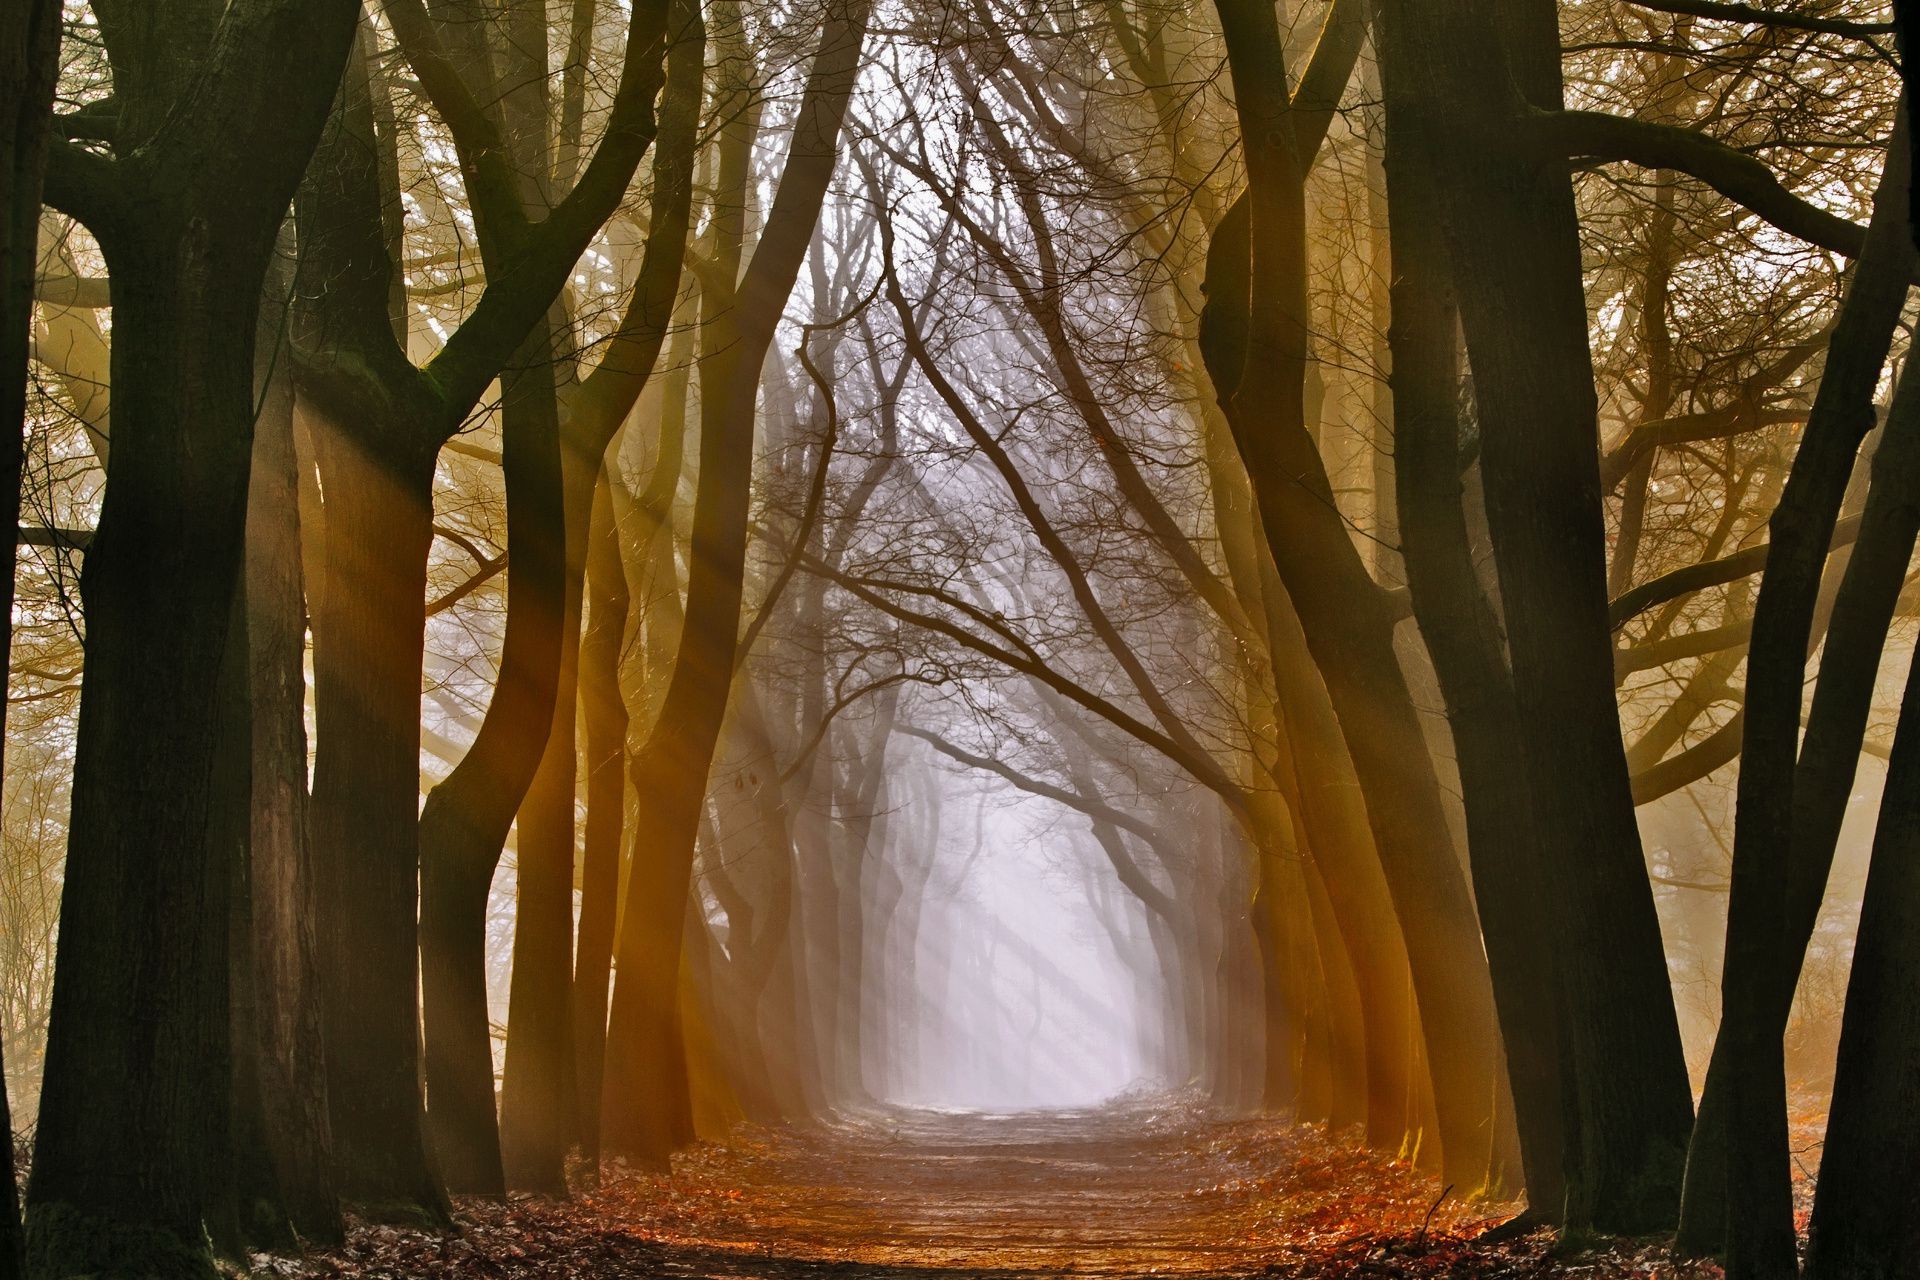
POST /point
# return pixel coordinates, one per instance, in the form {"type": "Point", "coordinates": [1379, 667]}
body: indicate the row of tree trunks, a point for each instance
{"type": "Point", "coordinates": [1255, 338]}
{"type": "Point", "coordinates": [1861, 1218]}
{"type": "Point", "coordinates": [1762, 958]}
{"type": "Point", "coordinates": [538, 1105]}
{"type": "Point", "coordinates": [384, 423]}
{"type": "Point", "coordinates": [646, 1060]}
{"type": "Point", "coordinates": [1464, 638]}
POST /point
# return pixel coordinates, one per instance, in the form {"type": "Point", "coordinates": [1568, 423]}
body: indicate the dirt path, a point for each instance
{"type": "Point", "coordinates": [1146, 1189]}
{"type": "Point", "coordinates": [1139, 1190]}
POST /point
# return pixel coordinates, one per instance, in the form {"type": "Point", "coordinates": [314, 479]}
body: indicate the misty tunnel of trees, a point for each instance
{"type": "Point", "coordinates": [592, 576]}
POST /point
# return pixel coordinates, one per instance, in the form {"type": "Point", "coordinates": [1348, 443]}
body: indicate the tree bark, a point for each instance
{"type": "Point", "coordinates": [131, 1145]}
{"type": "Point", "coordinates": [29, 67]}
{"type": "Point", "coordinates": [1514, 246]}
{"type": "Point", "coordinates": [1464, 638]}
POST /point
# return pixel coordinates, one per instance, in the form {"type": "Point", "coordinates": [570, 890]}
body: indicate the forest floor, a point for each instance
{"type": "Point", "coordinates": [1138, 1191]}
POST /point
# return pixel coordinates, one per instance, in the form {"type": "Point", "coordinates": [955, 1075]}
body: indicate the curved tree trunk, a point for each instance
{"type": "Point", "coordinates": [464, 823]}
{"type": "Point", "coordinates": [29, 66]}
{"type": "Point", "coordinates": [646, 1063]}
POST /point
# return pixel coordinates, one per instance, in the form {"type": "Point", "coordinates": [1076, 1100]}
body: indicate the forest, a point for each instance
{"type": "Point", "coordinates": [959, 638]}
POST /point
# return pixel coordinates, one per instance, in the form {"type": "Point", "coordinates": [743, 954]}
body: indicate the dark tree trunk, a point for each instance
{"type": "Point", "coordinates": [1514, 246]}
{"type": "Point", "coordinates": [1463, 637]}
{"type": "Point", "coordinates": [1866, 1209]}
{"type": "Point", "coordinates": [131, 1123]}
{"type": "Point", "coordinates": [372, 434]}
{"type": "Point", "coordinates": [368, 632]}
{"type": "Point", "coordinates": [1791, 798]}
{"type": "Point", "coordinates": [131, 1151]}
{"type": "Point", "coordinates": [29, 66]}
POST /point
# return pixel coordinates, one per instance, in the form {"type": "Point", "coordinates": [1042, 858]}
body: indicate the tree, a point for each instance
{"type": "Point", "coordinates": [132, 1133]}
{"type": "Point", "coordinates": [645, 1058]}
{"type": "Point", "coordinates": [29, 66]}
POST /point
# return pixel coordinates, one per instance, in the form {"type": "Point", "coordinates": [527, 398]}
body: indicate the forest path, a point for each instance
{"type": "Point", "coordinates": [1134, 1189]}
{"type": "Point", "coordinates": [1144, 1188]}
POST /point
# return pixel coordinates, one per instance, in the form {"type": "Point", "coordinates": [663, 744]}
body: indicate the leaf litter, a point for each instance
{"type": "Point", "coordinates": [1145, 1190]}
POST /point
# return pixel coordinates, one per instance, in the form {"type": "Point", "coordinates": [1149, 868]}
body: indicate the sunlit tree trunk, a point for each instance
{"type": "Point", "coordinates": [644, 1049]}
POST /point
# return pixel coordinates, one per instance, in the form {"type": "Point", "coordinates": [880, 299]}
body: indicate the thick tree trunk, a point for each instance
{"type": "Point", "coordinates": [1514, 246]}
{"type": "Point", "coordinates": [1463, 637]}
{"type": "Point", "coordinates": [29, 65]}
{"type": "Point", "coordinates": [131, 1149]}
{"type": "Point", "coordinates": [132, 1136]}
{"type": "Point", "coordinates": [368, 634]}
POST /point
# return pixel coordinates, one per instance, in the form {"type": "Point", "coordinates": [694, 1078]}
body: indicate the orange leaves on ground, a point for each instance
{"type": "Point", "coordinates": [1141, 1191]}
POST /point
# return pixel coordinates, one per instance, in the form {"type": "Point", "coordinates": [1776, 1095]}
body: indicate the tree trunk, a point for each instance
{"type": "Point", "coordinates": [368, 633]}
{"type": "Point", "coordinates": [1463, 637]}
{"type": "Point", "coordinates": [29, 66]}
{"type": "Point", "coordinates": [604, 715]}
{"type": "Point", "coordinates": [1514, 246]}
{"type": "Point", "coordinates": [536, 1103]}
{"type": "Point", "coordinates": [464, 823]}
{"type": "Point", "coordinates": [289, 1046]}
{"type": "Point", "coordinates": [1866, 1208]}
